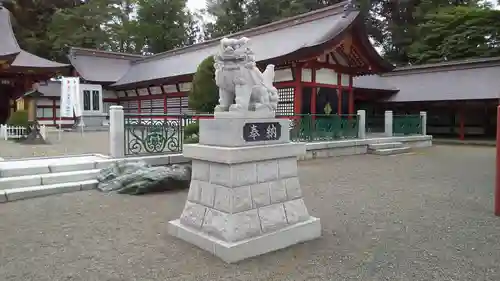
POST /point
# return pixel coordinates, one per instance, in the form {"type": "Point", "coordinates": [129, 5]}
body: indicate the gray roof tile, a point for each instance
{"type": "Point", "coordinates": [10, 51]}
{"type": "Point", "coordinates": [25, 59]}
{"type": "Point", "coordinates": [372, 82]}
{"type": "Point", "coordinates": [464, 83]}
{"type": "Point", "coordinates": [100, 66]}
{"type": "Point", "coordinates": [8, 43]}
{"type": "Point", "coordinates": [268, 42]}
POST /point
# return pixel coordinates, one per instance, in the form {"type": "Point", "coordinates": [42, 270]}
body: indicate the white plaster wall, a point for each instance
{"type": "Point", "coordinates": [52, 89]}
{"type": "Point", "coordinates": [326, 76]}
{"type": "Point", "coordinates": [108, 94]}
{"type": "Point", "coordinates": [282, 75]}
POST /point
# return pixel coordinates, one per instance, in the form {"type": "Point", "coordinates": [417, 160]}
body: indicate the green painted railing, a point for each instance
{"type": "Point", "coordinates": [406, 125]}
{"type": "Point", "coordinates": [322, 127]}
{"type": "Point", "coordinates": [164, 133]}
{"type": "Point", "coordinates": [158, 133]}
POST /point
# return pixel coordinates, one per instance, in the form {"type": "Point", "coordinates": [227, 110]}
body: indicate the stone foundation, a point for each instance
{"type": "Point", "coordinates": [244, 200]}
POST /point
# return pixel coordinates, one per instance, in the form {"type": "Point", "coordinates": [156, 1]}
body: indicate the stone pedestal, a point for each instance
{"type": "Point", "coordinates": [245, 197]}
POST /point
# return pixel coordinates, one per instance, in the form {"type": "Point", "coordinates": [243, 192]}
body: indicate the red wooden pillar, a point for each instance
{"type": "Point", "coordinates": [351, 96]}
{"type": "Point", "coordinates": [298, 89]}
{"type": "Point", "coordinates": [461, 120]}
{"type": "Point", "coordinates": [313, 92]}
{"type": "Point", "coordinates": [497, 168]}
{"type": "Point", "coordinates": [339, 94]}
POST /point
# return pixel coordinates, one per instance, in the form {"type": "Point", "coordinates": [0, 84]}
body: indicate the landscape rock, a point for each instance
{"type": "Point", "coordinates": [140, 178]}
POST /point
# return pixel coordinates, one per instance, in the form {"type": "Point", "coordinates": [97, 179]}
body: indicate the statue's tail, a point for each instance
{"type": "Point", "coordinates": [268, 76]}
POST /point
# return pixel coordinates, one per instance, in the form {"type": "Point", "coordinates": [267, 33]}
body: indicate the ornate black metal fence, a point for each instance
{"type": "Point", "coordinates": [147, 134]}
{"type": "Point", "coordinates": [406, 125]}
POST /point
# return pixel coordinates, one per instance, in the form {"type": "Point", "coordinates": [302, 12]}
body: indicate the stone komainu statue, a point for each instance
{"type": "Point", "coordinates": [239, 79]}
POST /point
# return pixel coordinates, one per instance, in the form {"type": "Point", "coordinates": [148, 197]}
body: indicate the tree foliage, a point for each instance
{"type": "Point", "coordinates": [124, 35]}
{"type": "Point", "coordinates": [230, 17]}
{"type": "Point", "coordinates": [87, 25]}
{"type": "Point", "coordinates": [453, 33]}
{"type": "Point", "coordinates": [398, 23]}
{"type": "Point", "coordinates": [48, 27]}
{"type": "Point", "coordinates": [204, 93]}
{"type": "Point", "coordinates": [165, 25]}
{"type": "Point", "coordinates": [406, 32]}
{"type": "Point", "coordinates": [31, 20]}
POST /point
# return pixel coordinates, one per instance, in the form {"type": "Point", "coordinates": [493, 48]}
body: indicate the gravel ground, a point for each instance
{"type": "Point", "coordinates": [426, 216]}
{"type": "Point", "coordinates": [71, 143]}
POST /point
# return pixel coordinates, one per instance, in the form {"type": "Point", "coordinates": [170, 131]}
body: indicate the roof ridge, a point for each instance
{"type": "Point", "coordinates": [74, 50]}
{"type": "Point", "coordinates": [253, 31]}
{"type": "Point", "coordinates": [462, 62]}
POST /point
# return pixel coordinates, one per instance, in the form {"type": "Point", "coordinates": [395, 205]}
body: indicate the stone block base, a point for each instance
{"type": "Point", "coordinates": [237, 251]}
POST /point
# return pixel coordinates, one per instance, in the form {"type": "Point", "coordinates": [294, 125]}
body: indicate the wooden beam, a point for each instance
{"type": "Point", "coordinates": [291, 84]}
{"type": "Point", "coordinates": [336, 67]}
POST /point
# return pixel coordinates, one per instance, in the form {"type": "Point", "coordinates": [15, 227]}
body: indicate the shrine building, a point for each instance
{"type": "Point", "coordinates": [20, 73]}
{"type": "Point", "coordinates": [319, 52]}
{"type": "Point", "coordinates": [325, 64]}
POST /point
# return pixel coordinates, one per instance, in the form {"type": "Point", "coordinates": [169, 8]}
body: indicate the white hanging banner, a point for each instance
{"type": "Point", "coordinates": [67, 104]}
{"type": "Point", "coordinates": [77, 98]}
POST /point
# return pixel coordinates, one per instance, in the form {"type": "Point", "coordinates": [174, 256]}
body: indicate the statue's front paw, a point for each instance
{"type": "Point", "coordinates": [236, 107]}
{"type": "Point", "coordinates": [219, 108]}
{"type": "Point", "coordinates": [262, 107]}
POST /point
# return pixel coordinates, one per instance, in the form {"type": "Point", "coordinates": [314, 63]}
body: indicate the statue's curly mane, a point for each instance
{"type": "Point", "coordinates": [238, 78]}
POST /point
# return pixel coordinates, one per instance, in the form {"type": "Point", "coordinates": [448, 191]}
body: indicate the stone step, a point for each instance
{"type": "Point", "coordinates": [48, 179]}
{"type": "Point", "coordinates": [391, 151]}
{"type": "Point", "coordinates": [14, 194]}
{"type": "Point", "coordinates": [377, 146]}
{"type": "Point", "coordinates": [36, 166]}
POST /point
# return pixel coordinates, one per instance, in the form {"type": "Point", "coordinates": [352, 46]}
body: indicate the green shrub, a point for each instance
{"type": "Point", "coordinates": [192, 129]}
{"type": "Point", "coordinates": [19, 118]}
{"type": "Point", "coordinates": [193, 139]}
{"type": "Point", "coordinates": [191, 132]}
{"type": "Point", "coordinates": [204, 94]}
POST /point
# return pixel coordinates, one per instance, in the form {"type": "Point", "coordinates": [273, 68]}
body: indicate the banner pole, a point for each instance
{"type": "Point", "coordinates": [497, 167]}
{"type": "Point", "coordinates": [60, 126]}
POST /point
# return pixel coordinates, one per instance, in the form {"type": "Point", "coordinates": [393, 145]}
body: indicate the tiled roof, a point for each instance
{"type": "Point", "coordinates": [100, 66]}
{"type": "Point", "coordinates": [9, 47]}
{"type": "Point", "coordinates": [18, 59]}
{"type": "Point", "coordinates": [272, 41]}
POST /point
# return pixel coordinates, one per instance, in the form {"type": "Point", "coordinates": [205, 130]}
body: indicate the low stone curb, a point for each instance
{"type": "Point", "coordinates": [14, 194]}
{"type": "Point", "coordinates": [465, 142]}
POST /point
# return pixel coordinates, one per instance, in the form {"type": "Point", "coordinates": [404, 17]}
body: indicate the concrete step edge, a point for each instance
{"type": "Point", "coordinates": [375, 146]}
{"type": "Point", "coordinates": [57, 168]}
{"type": "Point", "coordinates": [390, 151]}
{"type": "Point", "coordinates": [15, 194]}
{"type": "Point", "coordinates": [48, 179]}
